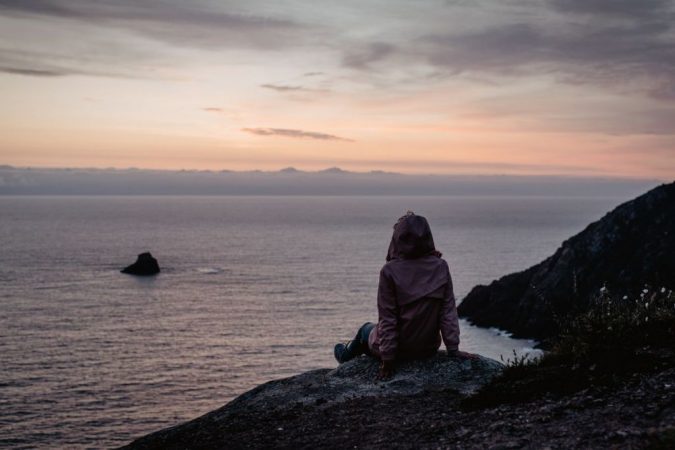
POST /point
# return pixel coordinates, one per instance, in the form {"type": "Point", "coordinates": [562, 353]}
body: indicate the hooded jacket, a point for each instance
{"type": "Point", "coordinates": [415, 299]}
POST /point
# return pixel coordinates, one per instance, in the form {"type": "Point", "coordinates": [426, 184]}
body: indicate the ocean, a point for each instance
{"type": "Point", "coordinates": [251, 289]}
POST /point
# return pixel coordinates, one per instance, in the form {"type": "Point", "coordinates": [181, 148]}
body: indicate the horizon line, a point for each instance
{"type": "Point", "coordinates": [334, 170]}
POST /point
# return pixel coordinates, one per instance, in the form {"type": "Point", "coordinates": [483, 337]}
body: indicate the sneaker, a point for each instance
{"type": "Point", "coordinates": [340, 353]}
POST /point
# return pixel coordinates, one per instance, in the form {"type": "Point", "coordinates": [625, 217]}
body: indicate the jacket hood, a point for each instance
{"type": "Point", "coordinates": [411, 239]}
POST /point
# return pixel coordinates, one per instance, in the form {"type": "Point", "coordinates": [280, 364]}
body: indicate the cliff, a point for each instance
{"type": "Point", "coordinates": [635, 411]}
{"type": "Point", "coordinates": [629, 247]}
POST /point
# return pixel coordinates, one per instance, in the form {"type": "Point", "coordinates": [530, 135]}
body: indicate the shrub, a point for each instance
{"type": "Point", "coordinates": [615, 337]}
{"type": "Point", "coordinates": [619, 326]}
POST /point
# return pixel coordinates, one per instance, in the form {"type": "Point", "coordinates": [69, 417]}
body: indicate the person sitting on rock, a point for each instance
{"type": "Point", "coordinates": [415, 303]}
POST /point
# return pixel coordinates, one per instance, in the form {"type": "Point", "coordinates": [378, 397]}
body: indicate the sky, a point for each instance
{"type": "Point", "coordinates": [548, 87]}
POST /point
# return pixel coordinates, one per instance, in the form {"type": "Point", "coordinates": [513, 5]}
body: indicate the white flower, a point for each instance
{"type": "Point", "coordinates": [646, 319]}
{"type": "Point", "coordinates": [647, 305]}
{"type": "Point", "coordinates": [663, 290]}
{"type": "Point", "coordinates": [603, 289]}
{"type": "Point", "coordinates": [625, 297]}
{"type": "Point", "coordinates": [644, 291]}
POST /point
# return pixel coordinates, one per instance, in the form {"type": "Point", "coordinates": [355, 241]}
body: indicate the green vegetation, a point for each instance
{"type": "Point", "coordinates": [617, 337]}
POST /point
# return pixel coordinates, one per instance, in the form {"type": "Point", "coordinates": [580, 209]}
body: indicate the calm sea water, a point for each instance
{"type": "Point", "coordinates": [252, 289]}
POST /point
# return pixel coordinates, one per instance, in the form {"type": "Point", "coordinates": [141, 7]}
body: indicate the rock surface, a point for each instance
{"type": "Point", "coordinates": [145, 264]}
{"type": "Point", "coordinates": [324, 388]}
{"type": "Point", "coordinates": [356, 379]}
{"type": "Point", "coordinates": [635, 413]}
{"type": "Point", "coordinates": [632, 245]}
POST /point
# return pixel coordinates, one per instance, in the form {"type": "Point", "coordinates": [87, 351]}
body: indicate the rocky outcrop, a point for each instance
{"type": "Point", "coordinates": [629, 247]}
{"type": "Point", "coordinates": [326, 388]}
{"type": "Point", "coordinates": [356, 378]}
{"type": "Point", "coordinates": [145, 264]}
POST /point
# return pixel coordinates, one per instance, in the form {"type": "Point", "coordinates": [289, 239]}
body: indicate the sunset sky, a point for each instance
{"type": "Point", "coordinates": [567, 87]}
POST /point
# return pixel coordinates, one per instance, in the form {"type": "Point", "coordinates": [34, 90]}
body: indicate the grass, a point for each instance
{"type": "Point", "coordinates": [615, 338]}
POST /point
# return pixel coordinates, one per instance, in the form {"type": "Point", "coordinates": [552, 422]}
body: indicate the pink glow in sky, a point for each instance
{"type": "Point", "coordinates": [568, 87]}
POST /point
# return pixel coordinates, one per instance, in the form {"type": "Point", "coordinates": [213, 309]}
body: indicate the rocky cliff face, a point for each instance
{"type": "Point", "coordinates": [629, 247]}
{"type": "Point", "coordinates": [323, 389]}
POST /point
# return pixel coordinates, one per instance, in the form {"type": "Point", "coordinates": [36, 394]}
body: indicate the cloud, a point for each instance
{"type": "Point", "coordinates": [177, 23]}
{"type": "Point", "coordinates": [213, 109]}
{"type": "Point", "coordinates": [598, 47]}
{"type": "Point", "coordinates": [303, 92]}
{"type": "Point", "coordinates": [363, 57]}
{"type": "Point", "coordinates": [595, 42]}
{"type": "Point", "coordinates": [45, 7]}
{"type": "Point", "coordinates": [106, 63]}
{"type": "Point", "coordinates": [287, 88]}
{"type": "Point", "coordinates": [33, 72]}
{"type": "Point", "coordinates": [282, 88]}
{"type": "Point", "coordinates": [38, 69]}
{"type": "Point", "coordinates": [294, 134]}
{"type": "Point", "coordinates": [616, 8]}
{"type": "Point", "coordinates": [44, 37]}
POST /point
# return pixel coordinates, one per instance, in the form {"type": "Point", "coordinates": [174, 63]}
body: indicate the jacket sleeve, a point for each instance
{"type": "Point", "coordinates": [387, 324]}
{"type": "Point", "coordinates": [449, 319]}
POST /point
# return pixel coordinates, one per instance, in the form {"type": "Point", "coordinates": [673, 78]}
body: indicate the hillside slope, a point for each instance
{"type": "Point", "coordinates": [629, 247]}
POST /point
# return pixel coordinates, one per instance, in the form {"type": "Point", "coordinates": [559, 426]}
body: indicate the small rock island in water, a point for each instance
{"type": "Point", "coordinates": [145, 265]}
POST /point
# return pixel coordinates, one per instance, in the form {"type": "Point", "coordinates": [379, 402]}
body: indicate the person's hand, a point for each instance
{"type": "Point", "coordinates": [462, 355]}
{"type": "Point", "coordinates": [386, 370]}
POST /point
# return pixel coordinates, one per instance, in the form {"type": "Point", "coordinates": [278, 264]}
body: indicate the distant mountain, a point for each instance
{"type": "Point", "coordinates": [291, 181]}
{"type": "Point", "coordinates": [290, 170]}
{"type": "Point", "coordinates": [334, 170]}
{"type": "Point", "coordinates": [629, 247]}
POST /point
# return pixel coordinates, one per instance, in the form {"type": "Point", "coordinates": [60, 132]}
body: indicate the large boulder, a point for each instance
{"type": "Point", "coordinates": [145, 264]}
{"type": "Point", "coordinates": [631, 246]}
{"type": "Point", "coordinates": [357, 378]}
{"type": "Point", "coordinates": [325, 388]}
